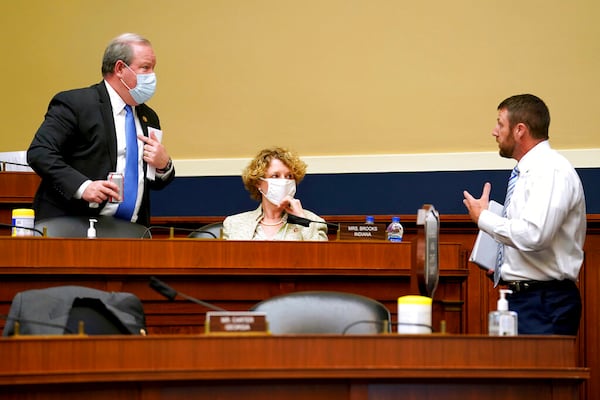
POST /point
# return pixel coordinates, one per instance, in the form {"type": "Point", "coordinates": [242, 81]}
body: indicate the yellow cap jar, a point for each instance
{"type": "Point", "coordinates": [414, 314]}
{"type": "Point", "coordinates": [23, 218]}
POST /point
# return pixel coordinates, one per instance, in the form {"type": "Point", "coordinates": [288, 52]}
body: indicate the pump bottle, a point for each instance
{"type": "Point", "coordinates": [503, 322]}
{"type": "Point", "coordinates": [91, 232]}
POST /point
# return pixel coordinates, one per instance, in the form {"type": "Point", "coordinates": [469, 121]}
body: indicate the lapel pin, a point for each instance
{"type": "Point", "coordinates": [144, 118]}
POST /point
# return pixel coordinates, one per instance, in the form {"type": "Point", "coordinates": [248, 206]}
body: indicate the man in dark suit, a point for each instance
{"type": "Point", "coordinates": [84, 137]}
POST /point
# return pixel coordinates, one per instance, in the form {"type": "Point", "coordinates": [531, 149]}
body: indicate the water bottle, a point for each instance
{"type": "Point", "coordinates": [395, 230]}
{"type": "Point", "coordinates": [369, 220]}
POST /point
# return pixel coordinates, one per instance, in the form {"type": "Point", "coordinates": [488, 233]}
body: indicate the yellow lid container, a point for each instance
{"type": "Point", "coordinates": [415, 300]}
{"type": "Point", "coordinates": [25, 218]}
{"type": "Point", "coordinates": [414, 314]}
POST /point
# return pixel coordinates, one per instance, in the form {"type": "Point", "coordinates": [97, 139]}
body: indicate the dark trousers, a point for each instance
{"type": "Point", "coordinates": [552, 309]}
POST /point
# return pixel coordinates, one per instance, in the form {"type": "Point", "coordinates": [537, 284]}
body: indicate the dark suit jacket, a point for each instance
{"type": "Point", "coordinates": [38, 309]}
{"type": "Point", "coordinates": [76, 142]}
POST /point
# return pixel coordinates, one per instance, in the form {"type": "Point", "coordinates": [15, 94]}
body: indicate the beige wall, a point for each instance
{"type": "Point", "coordinates": [325, 77]}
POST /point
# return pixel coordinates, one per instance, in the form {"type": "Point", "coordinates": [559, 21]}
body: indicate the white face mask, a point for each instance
{"type": "Point", "coordinates": [279, 189]}
{"type": "Point", "coordinates": [145, 87]}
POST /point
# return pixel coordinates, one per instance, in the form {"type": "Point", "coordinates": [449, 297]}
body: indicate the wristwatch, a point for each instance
{"type": "Point", "coordinates": [165, 169]}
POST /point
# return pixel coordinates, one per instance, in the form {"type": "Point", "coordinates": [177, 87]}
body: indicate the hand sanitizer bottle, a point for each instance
{"type": "Point", "coordinates": [503, 322]}
{"type": "Point", "coordinates": [91, 232]}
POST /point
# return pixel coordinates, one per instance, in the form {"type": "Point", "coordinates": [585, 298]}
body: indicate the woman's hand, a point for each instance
{"type": "Point", "coordinates": [293, 206]}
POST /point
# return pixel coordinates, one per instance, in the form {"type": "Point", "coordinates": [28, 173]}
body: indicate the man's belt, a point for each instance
{"type": "Point", "coordinates": [525, 286]}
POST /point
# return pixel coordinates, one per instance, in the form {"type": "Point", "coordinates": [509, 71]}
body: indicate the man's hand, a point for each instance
{"type": "Point", "coordinates": [476, 206]}
{"type": "Point", "coordinates": [155, 153]}
{"type": "Point", "coordinates": [100, 191]}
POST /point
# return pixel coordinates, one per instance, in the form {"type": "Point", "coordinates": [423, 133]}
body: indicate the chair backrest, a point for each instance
{"type": "Point", "coordinates": [77, 227]}
{"type": "Point", "coordinates": [58, 310]}
{"type": "Point", "coordinates": [325, 312]}
{"type": "Point", "coordinates": [210, 231]}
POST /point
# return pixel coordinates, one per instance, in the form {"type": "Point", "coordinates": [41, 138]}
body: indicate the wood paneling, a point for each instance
{"type": "Point", "coordinates": [16, 190]}
{"type": "Point", "coordinates": [231, 274]}
{"type": "Point", "coordinates": [462, 301]}
{"type": "Point", "coordinates": [292, 367]}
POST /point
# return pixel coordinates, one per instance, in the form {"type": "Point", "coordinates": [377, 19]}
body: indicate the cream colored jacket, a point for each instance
{"type": "Point", "coordinates": [243, 227]}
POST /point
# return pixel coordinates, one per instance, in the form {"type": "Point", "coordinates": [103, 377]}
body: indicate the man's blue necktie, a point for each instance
{"type": "Point", "coordinates": [509, 191]}
{"type": "Point", "coordinates": [130, 179]}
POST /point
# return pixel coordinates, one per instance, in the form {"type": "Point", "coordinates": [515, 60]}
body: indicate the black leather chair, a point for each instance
{"type": "Point", "coordinates": [59, 310]}
{"type": "Point", "coordinates": [77, 227]}
{"type": "Point", "coordinates": [210, 231]}
{"type": "Point", "coordinates": [325, 312]}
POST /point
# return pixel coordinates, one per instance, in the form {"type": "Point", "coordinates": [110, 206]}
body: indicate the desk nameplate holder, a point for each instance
{"type": "Point", "coordinates": [236, 323]}
{"type": "Point", "coordinates": [375, 231]}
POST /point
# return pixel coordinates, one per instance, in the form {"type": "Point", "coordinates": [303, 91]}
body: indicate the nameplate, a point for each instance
{"type": "Point", "coordinates": [362, 231]}
{"type": "Point", "coordinates": [235, 322]}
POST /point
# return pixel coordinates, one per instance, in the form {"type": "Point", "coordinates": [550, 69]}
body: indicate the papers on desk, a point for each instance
{"type": "Point", "coordinates": [485, 249]}
{"type": "Point", "coordinates": [14, 161]}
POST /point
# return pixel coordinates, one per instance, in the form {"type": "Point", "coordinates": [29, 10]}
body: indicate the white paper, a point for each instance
{"type": "Point", "coordinates": [485, 250]}
{"type": "Point", "coordinates": [151, 171]}
{"type": "Point", "coordinates": [19, 158]}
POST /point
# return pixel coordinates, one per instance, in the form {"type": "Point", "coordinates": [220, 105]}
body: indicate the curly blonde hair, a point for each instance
{"type": "Point", "coordinates": [259, 165]}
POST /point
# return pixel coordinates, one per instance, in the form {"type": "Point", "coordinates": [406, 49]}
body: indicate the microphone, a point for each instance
{"type": "Point", "coordinates": [294, 219]}
{"type": "Point", "coordinates": [3, 164]}
{"type": "Point", "coordinates": [18, 321]}
{"type": "Point", "coordinates": [22, 227]}
{"type": "Point", "coordinates": [171, 293]}
{"type": "Point", "coordinates": [14, 163]}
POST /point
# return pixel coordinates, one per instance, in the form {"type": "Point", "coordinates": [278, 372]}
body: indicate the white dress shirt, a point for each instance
{"type": "Point", "coordinates": [118, 109]}
{"type": "Point", "coordinates": [545, 227]}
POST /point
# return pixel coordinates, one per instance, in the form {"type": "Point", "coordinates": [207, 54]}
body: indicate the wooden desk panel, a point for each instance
{"type": "Point", "coordinates": [231, 274]}
{"type": "Point", "coordinates": [292, 367]}
{"type": "Point", "coordinates": [17, 189]}
{"type": "Point", "coordinates": [138, 256]}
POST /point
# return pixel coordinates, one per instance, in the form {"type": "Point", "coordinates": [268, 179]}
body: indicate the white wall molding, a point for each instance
{"type": "Point", "coordinates": [424, 162]}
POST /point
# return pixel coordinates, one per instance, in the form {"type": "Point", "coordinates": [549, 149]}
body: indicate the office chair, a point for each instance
{"type": "Point", "coordinates": [77, 226]}
{"type": "Point", "coordinates": [58, 310]}
{"type": "Point", "coordinates": [324, 312]}
{"type": "Point", "coordinates": [210, 231]}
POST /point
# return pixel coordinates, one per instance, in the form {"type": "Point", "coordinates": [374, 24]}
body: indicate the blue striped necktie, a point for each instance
{"type": "Point", "coordinates": [509, 191]}
{"type": "Point", "coordinates": [130, 178]}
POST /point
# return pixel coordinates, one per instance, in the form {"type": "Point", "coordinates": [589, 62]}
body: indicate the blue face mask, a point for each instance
{"type": "Point", "coordinates": [145, 87]}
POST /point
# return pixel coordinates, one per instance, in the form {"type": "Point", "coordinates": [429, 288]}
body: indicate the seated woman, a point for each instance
{"type": "Point", "coordinates": [271, 178]}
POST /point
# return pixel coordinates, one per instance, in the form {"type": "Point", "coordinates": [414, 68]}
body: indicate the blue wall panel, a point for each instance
{"type": "Point", "coordinates": [351, 194]}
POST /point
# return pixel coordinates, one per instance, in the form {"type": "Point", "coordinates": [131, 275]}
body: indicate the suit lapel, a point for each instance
{"type": "Point", "coordinates": [109, 123]}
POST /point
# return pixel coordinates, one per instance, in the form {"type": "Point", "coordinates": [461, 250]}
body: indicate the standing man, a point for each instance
{"type": "Point", "coordinates": [88, 133]}
{"type": "Point", "coordinates": [542, 232]}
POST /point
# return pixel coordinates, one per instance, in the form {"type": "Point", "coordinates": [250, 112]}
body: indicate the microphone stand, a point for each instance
{"type": "Point", "coordinates": [170, 294]}
{"type": "Point", "coordinates": [294, 219]}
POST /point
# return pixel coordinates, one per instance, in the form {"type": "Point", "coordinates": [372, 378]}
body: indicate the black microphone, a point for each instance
{"type": "Point", "coordinates": [2, 162]}
{"type": "Point", "coordinates": [171, 293]}
{"type": "Point", "coordinates": [19, 166]}
{"type": "Point", "coordinates": [64, 328]}
{"type": "Point", "coordinates": [14, 163]}
{"type": "Point", "coordinates": [294, 219]}
{"type": "Point", "coordinates": [22, 227]}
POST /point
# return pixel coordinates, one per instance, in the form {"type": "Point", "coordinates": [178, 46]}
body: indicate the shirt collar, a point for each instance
{"type": "Point", "coordinates": [116, 101]}
{"type": "Point", "coordinates": [530, 157]}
